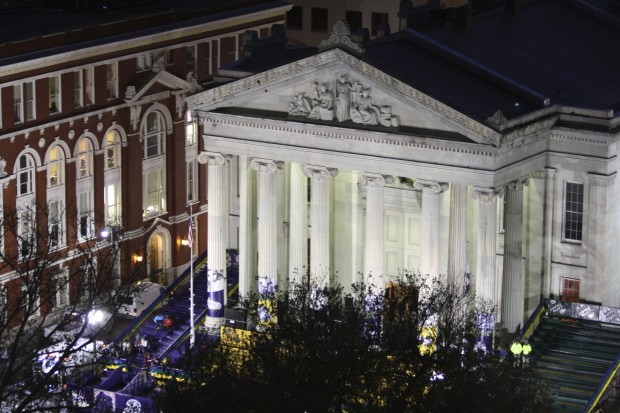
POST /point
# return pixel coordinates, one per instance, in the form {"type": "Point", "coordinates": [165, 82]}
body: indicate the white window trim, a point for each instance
{"type": "Point", "coordinates": [85, 185]}
{"type": "Point", "coordinates": [58, 195]}
{"type": "Point", "coordinates": [583, 213]}
{"type": "Point", "coordinates": [78, 93]}
{"type": "Point", "coordinates": [58, 94]}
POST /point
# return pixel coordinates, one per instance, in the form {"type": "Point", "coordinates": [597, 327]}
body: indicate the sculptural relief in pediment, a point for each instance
{"type": "Point", "coordinates": [341, 101]}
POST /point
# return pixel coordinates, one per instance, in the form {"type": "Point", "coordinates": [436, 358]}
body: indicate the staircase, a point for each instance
{"type": "Point", "coordinates": [175, 302]}
{"type": "Point", "coordinates": [572, 356]}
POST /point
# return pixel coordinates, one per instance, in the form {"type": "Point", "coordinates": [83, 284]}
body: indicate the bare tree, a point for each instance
{"type": "Point", "coordinates": [54, 279]}
{"type": "Point", "coordinates": [414, 349]}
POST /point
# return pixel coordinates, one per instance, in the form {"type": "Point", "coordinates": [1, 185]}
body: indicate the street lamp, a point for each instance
{"type": "Point", "coordinates": [112, 232]}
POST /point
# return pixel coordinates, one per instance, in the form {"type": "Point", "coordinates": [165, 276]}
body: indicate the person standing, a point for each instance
{"type": "Point", "coordinates": [526, 350]}
{"type": "Point", "coordinates": [517, 350]}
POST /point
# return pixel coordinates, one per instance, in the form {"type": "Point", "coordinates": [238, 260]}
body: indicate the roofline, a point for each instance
{"type": "Point", "coordinates": [107, 46]}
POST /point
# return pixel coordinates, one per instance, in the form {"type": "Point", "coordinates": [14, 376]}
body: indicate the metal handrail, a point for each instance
{"type": "Point", "coordinates": [603, 385]}
{"type": "Point", "coordinates": [532, 322]}
{"type": "Point", "coordinates": [176, 343]}
{"type": "Point", "coordinates": [134, 325]}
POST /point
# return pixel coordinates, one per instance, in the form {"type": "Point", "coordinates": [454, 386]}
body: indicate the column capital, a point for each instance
{"type": "Point", "coordinates": [518, 184]}
{"type": "Point", "coordinates": [484, 194]}
{"type": "Point", "coordinates": [430, 187]}
{"type": "Point", "coordinates": [212, 158]}
{"type": "Point", "coordinates": [374, 180]}
{"type": "Point", "coordinates": [265, 166]}
{"type": "Point", "coordinates": [319, 172]}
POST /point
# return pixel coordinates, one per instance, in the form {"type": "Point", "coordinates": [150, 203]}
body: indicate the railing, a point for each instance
{"type": "Point", "coordinates": [592, 312]}
{"type": "Point", "coordinates": [532, 322]}
{"type": "Point", "coordinates": [135, 325]}
{"type": "Point", "coordinates": [176, 343]}
{"type": "Point", "coordinates": [603, 386]}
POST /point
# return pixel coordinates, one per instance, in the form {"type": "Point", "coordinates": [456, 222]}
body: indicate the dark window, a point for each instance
{"type": "Point", "coordinates": [573, 212]}
{"type": "Point", "coordinates": [376, 19]}
{"type": "Point", "coordinates": [319, 19]}
{"type": "Point", "coordinates": [295, 18]}
{"type": "Point", "coordinates": [354, 19]}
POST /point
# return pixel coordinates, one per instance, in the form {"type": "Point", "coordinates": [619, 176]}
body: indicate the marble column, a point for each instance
{"type": "Point", "coordinates": [320, 179]}
{"type": "Point", "coordinates": [216, 237]}
{"type": "Point", "coordinates": [486, 278]}
{"type": "Point", "coordinates": [374, 267]}
{"type": "Point", "coordinates": [429, 260]}
{"type": "Point", "coordinates": [298, 225]}
{"type": "Point", "coordinates": [267, 224]}
{"type": "Point", "coordinates": [457, 247]}
{"type": "Point", "coordinates": [513, 283]}
{"type": "Point", "coordinates": [247, 221]}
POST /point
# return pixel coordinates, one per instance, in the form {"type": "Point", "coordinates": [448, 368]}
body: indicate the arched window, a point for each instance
{"type": "Point", "coordinates": [112, 150]}
{"type": "Point", "coordinates": [85, 158]}
{"type": "Point", "coordinates": [56, 167]}
{"type": "Point", "coordinates": [25, 175]}
{"type": "Point", "coordinates": [153, 133]}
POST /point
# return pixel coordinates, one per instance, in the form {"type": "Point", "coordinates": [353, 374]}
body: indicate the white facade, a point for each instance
{"type": "Point", "coordinates": [488, 197]}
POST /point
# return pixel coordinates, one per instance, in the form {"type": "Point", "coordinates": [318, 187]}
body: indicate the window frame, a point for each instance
{"type": "Point", "coordinates": [78, 89]}
{"type": "Point", "coordinates": [573, 219]}
{"type": "Point", "coordinates": [112, 80]}
{"type": "Point", "coordinates": [319, 24]}
{"type": "Point", "coordinates": [54, 95]}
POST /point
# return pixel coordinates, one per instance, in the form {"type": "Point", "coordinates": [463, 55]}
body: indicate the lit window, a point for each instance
{"type": "Point", "coordinates": [112, 200]}
{"type": "Point", "coordinates": [191, 132]}
{"type": "Point", "coordinates": [112, 150]}
{"type": "Point", "coordinates": [154, 192]}
{"type": "Point", "coordinates": [573, 212]}
{"type": "Point", "coordinates": [112, 80]}
{"type": "Point", "coordinates": [153, 133]}
{"type": "Point", "coordinates": [54, 94]}
{"type": "Point", "coordinates": [85, 157]}
{"type": "Point", "coordinates": [88, 282]}
{"type": "Point", "coordinates": [192, 181]}
{"type": "Point", "coordinates": [55, 167]}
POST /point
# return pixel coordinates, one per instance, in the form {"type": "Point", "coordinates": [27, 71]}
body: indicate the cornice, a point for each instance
{"type": "Point", "coordinates": [121, 46]}
{"type": "Point", "coordinates": [331, 132]}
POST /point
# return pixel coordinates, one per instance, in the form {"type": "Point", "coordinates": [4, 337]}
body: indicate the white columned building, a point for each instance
{"type": "Point", "coordinates": [458, 202]}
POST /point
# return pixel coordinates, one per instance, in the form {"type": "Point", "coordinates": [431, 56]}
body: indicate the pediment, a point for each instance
{"type": "Point", "coordinates": [337, 88]}
{"type": "Point", "coordinates": [157, 86]}
{"type": "Point", "coordinates": [155, 83]}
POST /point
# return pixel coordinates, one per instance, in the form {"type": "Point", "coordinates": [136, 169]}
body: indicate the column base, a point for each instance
{"type": "Point", "coordinates": [213, 324]}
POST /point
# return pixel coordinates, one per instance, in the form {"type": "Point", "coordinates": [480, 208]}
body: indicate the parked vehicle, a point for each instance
{"type": "Point", "coordinates": [140, 298]}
